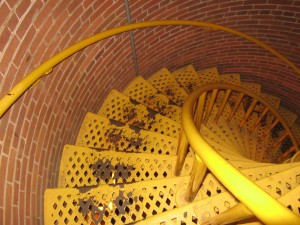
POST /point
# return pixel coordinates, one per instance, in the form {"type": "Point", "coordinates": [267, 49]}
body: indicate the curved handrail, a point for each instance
{"type": "Point", "coordinates": [20, 88]}
{"type": "Point", "coordinates": [266, 208]}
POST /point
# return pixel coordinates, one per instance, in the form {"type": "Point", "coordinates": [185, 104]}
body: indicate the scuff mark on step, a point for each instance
{"type": "Point", "coordinates": [114, 135]}
{"type": "Point", "coordinates": [152, 113]}
{"type": "Point", "coordinates": [137, 130]}
{"type": "Point", "coordinates": [116, 123]}
{"type": "Point", "coordinates": [134, 102]}
{"type": "Point", "coordinates": [91, 212]}
{"type": "Point", "coordinates": [110, 173]}
{"type": "Point", "coordinates": [86, 188]}
{"type": "Point", "coordinates": [131, 113]}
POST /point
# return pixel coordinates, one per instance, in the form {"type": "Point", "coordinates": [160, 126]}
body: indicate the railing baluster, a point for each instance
{"type": "Point", "coordinates": [270, 128]}
{"type": "Point", "coordinates": [248, 113]}
{"type": "Point", "coordinates": [197, 175]}
{"type": "Point", "coordinates": [284, 155]}
{"type": "Point", "coordinates": [210, 105]}
{"type": "Point", "coordinates": [260, 118]}
{"type": "Point", "coordinates": [200, 110]}
{"type": "Point", "coordinates": [183, 145]}
{"type": "Point", "coordinates": [280, 140]}
{"type": "Point", "coordinates": [235, 107]}
{"type": "Point", "coordinates": [234, 214]}
{"type": "Point", "coordinates": [222, 106]}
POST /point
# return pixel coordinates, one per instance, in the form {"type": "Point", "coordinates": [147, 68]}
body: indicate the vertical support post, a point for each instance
{"type": "Point", "coordinates": [197, 175]}
{"type": "Point", "coordinates": [235, 107]}
{"type": "Point", "coordinates": [131, 37]}
{"type": "Point", "coordinates": [248, 113]}
{"type": "Point", "coordinates": [200, 110]}
{"type": "Point", "coordinates": [270, 128]}
{"type": "Point", "coordinates": [234, 214]}
{"type": "Point", "coordinates": [210, 105]}
{"type": "Point", "coordinates": [222, 106]}
{"type": "Point", "coordinates": [260, 118]}
{"type": "Point", "coordinates": [183, 145]}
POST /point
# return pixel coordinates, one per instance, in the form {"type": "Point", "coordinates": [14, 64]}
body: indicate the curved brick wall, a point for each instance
{"type": "Point", "coordinates": [34, 130]}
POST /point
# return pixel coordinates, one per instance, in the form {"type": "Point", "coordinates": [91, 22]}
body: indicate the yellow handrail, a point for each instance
{"type": "Point", "coordinates": [266, 208]}
{"type": "Point", "coordinates": [11, 97]}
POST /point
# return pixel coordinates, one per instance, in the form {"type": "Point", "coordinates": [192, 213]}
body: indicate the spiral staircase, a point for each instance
{"type": "Point", "coordinates": [128, 167]}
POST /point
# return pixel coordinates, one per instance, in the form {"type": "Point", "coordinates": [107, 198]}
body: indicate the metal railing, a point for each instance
{"type": "Point", "coordinates": [228, 175]}
{"type": "Point", "coordinates": [266, 208]}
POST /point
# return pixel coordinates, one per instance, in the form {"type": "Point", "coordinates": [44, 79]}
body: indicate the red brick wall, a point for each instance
{"type": "Point", "coordinates": [34, 130]}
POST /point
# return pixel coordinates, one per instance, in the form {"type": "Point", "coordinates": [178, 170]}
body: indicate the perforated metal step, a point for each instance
{"type": "Point", "coordinates": [251, 86]}
{"type": "Point", "coordinates": [196, 212]}
{"type": "Point", "coordinates": [98, 132]}
{"type": "Point", "coordinates": [209, 75]}
{"type": "Point", "coordinates": [121, 108]}
{"type": "Point", "coordinates": [273, 100]}
{"type": "Point", "coordinates": [112, 204]}
{"type": "Point", "coordinates": [281, 183]}
{"type": "Point", "coordinates": [262, 172]}
{"type": "Point", "coordinates": [142, 91]}
{"type": "Point", "coordinates": [288, 116]}
{"type": "Point", "coordinates": [82, 167]}
{"type": "Point", "coordinates": [233, 78]}
{"type": "Point", "coordinates": [291, 200]}
{"type": "Point", "coordinates": [163, 81]}
{"type": "Point", "coordinates": [188, 78]}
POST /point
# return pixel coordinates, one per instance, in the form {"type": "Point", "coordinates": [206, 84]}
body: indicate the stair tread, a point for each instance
{"type": "Point", "coordinates": [272, 99]}
{"type": "Point", "coordinates": [288, 116]}
{"type": "Point", "coordinates": [142, 91]}
{"type": "Point", "coordinates": [262, 172]}
{"type": "Point", "coordinates": [214, 133]}
{"type": "Point", "coordinates": [254, 87]}
{"type": "Point", "coordinates": [99, 132]}
{"type": "Point", "coordinates": [81, 167]}
{"type": "Point", "coordinates": [209, 75]}
{"type": "Point", "coordinates": [280, 183]}
{"type": "Point", "coordinates": [188, 78]}
{"type": "Point", "coordinates": [296, 131]}
{"type": "Point", "coordinates": [111, 203]}
{"type": "Point", "coordinates": [290, 200]}
{"type": "Point", "coordinates": [121, 108]}
{"type": "Point", "coordinates": [166, 83]}
{"type": "Point", "coordinates": [232, 78]}
{"type": "Point", "coordinates": [195, 212]}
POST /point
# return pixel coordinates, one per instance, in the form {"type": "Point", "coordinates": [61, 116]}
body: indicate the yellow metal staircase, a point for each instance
{"type": "Point", "coordinates": [123, 168]}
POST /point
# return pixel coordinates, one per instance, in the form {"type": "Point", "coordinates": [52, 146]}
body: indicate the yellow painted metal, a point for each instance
{"type": "Point", "coordinates": [200, 110]}
{"type": "Point", "coordinates": [188, 78]}
{"type": "Point", "coordinates": [209, 75]}
{"type": "Point", "coordinates": [104, 134]}
{"type": "Point", "coordinates": [273, 100]}
{"type": "Point", "coordinates": [163, 81]}
{"type": "Point", "coordinates": [222, 106]}
{"type": "Point", "coordinates": [235, 107]}
{"type": "Point", "coordinates": [261, 204]}
{"type": "Point", "coordinates": [262, 115]}
{"type": "Point", "coordinates": [83, 167]}
{"type": "Point", "coordinates": [181, 152]}
{"type": "Point", "coordinates": [248, 113]}
{"type": "Point", "coordinates": [234, 79]}
{"type": "Point", "coordinates": [234, 214]}
{"type": "Point", "coordinates": [261, 172]}
{"type": "Point", "coordinates": [296, 157]}
{"type": "Point", "coordinates": [142, 91]}
{"type": "Point", "coordinates": [288, 116]}
{"type": "Point", "coordinates": [197, 176]}
{"type": "Point", "coordinates": [119, 107]}
{"type": "Point", "coordinates": [254, 87]}
{"type": "Point", "coordinates": [210, 105]}
{"type": "Point", "coordinates": [12, 96]}
{"type": "Point", "coordinates": [112, 204]}
{"type": "Point", "coordinates": [290, 201]}
{"type": "Point", "coordinates": [195, 213]}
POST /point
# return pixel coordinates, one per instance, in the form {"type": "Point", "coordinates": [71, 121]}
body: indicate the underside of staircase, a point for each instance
{"type": "Point", "coordinates": [122, 168]}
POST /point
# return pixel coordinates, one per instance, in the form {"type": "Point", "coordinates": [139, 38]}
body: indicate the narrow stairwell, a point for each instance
{"type": "Point", "coordinates": [123, 168]}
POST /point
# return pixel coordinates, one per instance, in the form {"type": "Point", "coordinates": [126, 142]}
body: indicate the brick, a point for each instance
{"type": "Point", "coordinates": [22, 8]}
{"type": "Point", "coordinates": [4, 12]}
